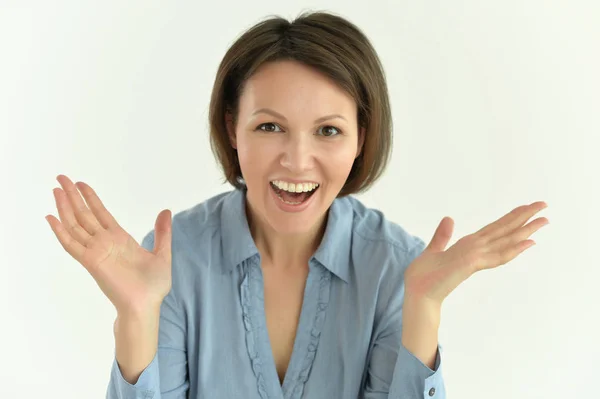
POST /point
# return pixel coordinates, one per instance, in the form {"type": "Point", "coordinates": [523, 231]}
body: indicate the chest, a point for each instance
{"type": "Point", "coordinates": [284, 293]}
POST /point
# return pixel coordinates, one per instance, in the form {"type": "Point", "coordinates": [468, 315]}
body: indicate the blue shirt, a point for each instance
{"type": "Point", "coordinates": [213, 339]}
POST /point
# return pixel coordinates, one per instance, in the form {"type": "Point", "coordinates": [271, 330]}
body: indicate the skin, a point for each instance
{"type": "Point", "coordinates": [284, 132]}
{"type": "Point", "coordinates": [291, 145]}
{"type": "Point", "coordinates": [134, 279]}
{"type": "Point", "coordinates": [288, 146]}
{"type": "Point", "coordinates": [438, 271]}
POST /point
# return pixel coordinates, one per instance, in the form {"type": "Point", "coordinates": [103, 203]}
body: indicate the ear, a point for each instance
{"type": "Point", "coordinates": [361, 141]}
{"type": "Point", "coordinates": [230, 129]}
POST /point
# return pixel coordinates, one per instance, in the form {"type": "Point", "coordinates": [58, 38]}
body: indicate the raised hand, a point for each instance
{"type": "Point", "coordinates": [132, 278]}
{"type": "Point", "coordinates": [434, 274]}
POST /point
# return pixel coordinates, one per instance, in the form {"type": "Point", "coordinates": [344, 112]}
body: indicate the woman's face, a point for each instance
{"type": "Point", "coordinates": [287, 140]}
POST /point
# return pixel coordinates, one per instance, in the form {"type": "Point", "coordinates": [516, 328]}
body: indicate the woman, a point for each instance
{"type": "Point", "coordinates": [287, 286]}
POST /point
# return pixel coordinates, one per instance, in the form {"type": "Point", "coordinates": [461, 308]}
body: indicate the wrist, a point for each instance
{"type": "Point", "coordinates": [136, 319]}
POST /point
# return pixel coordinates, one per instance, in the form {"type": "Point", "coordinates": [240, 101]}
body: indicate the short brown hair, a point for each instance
{"type": "Point", "coordinates": [335, 47]}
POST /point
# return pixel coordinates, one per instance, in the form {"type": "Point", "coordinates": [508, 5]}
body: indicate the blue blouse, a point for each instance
{"type": "Point", "coordinates": [213, 339]}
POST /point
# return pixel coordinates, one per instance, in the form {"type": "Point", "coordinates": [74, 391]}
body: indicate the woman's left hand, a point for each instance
{"type": "Point", "coordinates": [434, 274]}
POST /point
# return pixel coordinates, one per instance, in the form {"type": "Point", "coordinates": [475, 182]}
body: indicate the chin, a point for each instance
{"type": "Point", "coordinates": [289, 219]}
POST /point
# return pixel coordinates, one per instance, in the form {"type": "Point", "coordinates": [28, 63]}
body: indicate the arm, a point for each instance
{"type": "Point", "coordinates": [420, 325]}
{"type": "Point", "coordinates": [405, 361]}
{"type": "Point", "coordinates": [150, 353]}
{"type": "Point", "coordinates": [419, 345]}
{"type": "Point", "coordinates": [136, 341]}
{"type": "Point", "coordinates": [397, 369]}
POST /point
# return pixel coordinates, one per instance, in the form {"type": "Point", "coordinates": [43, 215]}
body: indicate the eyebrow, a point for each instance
{"type": "Point", "coordinates": [278, 115]}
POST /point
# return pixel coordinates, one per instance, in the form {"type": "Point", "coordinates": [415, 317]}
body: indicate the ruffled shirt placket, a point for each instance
{"type": "Point", "coordinates": [312, 317]}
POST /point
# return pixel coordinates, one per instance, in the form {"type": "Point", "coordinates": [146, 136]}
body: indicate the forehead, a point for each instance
{"type": "Point", "coordinates": [295, 84]}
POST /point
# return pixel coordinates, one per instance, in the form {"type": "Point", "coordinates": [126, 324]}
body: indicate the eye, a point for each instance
{"type": "Point", "coordinates": [325, 132]}
{"type": "Point", "coordinates": [266, 124]}
{"type": "Point", "coordinates": [329, 133]}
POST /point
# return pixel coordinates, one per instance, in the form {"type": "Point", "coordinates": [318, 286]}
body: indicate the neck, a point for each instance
{"type": "Point", "coordinates": [285, 251]}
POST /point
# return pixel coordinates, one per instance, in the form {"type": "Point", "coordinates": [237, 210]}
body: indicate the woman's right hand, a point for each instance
{"type": "Point", "coordinates": [133, 279]}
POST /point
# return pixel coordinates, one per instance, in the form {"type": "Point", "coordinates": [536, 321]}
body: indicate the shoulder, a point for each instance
{"type": "Point", "coordinates": [199, 219]}
{"type": "Point", "coordinates": [380, 250]}
{"type": "Point", "coordinates": [195, 244]}
{"type": "Point", "coordinates": [371, 228]}
{"type": "Point", "coordinates": [194, 228]}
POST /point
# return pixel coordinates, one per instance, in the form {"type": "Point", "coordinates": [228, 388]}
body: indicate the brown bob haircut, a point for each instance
{"type": "Point", "coordinates": [330, 44]}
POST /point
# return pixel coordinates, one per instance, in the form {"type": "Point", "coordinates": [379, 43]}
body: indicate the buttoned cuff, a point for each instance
{"type": "Point", "coordinates": [413, 379]}
{"type": "Point", "coordinates": [146, 386]}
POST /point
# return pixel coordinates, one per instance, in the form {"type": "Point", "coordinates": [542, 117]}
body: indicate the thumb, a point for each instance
{"type": "Point", "coordinates": [163, 234]}
{"type": "Point", "coordinates": [442, 235]}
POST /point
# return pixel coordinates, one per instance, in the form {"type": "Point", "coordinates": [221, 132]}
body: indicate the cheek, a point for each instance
{"type": "Point", "coordinates": [253, 155]}
{"type": "Point", "coordinates": [338, 161]}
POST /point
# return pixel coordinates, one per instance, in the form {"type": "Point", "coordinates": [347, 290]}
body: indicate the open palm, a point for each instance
{"type": "Point", "coordinates": [438, 271]}
{"type": "Point", "coordinates": [130, 276]}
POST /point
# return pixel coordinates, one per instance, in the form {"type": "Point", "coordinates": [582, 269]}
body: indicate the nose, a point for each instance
{"type": "Point", "coordinates": [298, 154]}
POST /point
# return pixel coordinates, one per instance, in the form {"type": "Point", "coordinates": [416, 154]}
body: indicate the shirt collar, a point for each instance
{"type": "Point", "coordinates": [238, 245]}
{"type": "Point", "coordinates": [236, 240]}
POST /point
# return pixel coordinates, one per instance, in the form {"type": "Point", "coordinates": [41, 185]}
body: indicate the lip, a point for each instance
{"type": "Point", "coordinates": [291, 208]}
{"type": "Point", "coordinates": [295, 181]}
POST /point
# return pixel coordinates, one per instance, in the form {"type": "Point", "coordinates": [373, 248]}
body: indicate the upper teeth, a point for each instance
{"type": "Point", "coordinates": [295, 188]}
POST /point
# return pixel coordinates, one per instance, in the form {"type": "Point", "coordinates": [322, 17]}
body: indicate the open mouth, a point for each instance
{"type": "Point", "coordinates": [292, 198]}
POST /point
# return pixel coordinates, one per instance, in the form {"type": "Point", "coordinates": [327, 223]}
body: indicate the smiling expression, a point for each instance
{"type": "Point", "coordinates": [296, 131]}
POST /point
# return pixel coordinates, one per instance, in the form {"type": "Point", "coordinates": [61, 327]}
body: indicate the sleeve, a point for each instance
{"type": "Point", "coordinates": [166, 377]}
{"type": "Point", "coordinates": [392, 371]}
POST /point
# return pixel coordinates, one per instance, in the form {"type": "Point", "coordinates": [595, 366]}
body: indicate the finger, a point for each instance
{"type": "Point", "coordinates": [520, 219]}
{"type": "Point", "coordinates": [105, 218]}
{"type": "Point", "coordinates": [163, 233]}
{"type": "Point", "coordinates": [84, 216]}
{"type": "Point", "coordinates": [67, 217]}
{"type": "Point", "coordinates": [519, 235]}
{"type": "Point", "coordinates": [74, 248]}
{"type": "Point", "coordinates": [487, 230]}
{"type": "Point", "coordinates": [442, 235]}
{"type": "Point", "coordinates": [502, 257]}
{"type": "Point", "coordinates": [511, 221]}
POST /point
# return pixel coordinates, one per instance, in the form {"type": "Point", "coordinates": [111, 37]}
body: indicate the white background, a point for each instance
{"type": "Point", "coordinates": [495, 105]}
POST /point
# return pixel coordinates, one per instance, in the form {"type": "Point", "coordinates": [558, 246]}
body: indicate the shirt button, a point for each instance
{"type": "Point", "coordinates": [432, 392]}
